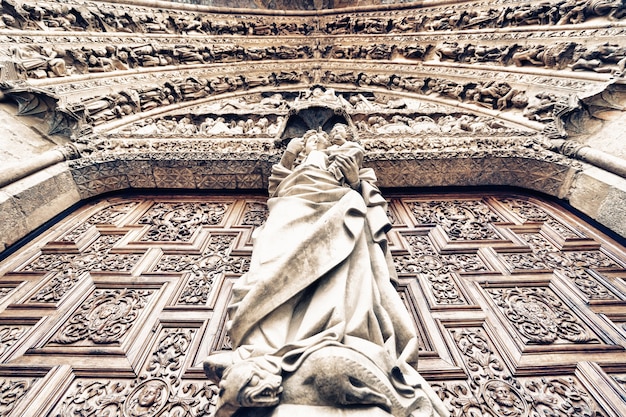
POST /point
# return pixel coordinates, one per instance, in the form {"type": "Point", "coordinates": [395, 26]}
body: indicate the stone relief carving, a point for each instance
{"type": "Point", "coordinates": [93, 16]}
{"type": "Point", "coordinates": [79, 117]}
{"type": "Point", "coordinates": [475, 16]}
{"type": "Point", "coordinates": [345, 365]}
{"type": "Point", "coordinates": [265, 115]}
{"type": "Point", "coordinates": [54, 59]}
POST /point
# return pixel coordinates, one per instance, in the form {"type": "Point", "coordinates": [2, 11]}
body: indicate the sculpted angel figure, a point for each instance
{"type": "Point", "coordinates": [316, 321]}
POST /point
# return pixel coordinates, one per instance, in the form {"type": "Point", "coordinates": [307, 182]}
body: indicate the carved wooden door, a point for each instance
{"type": "Point", "coordinates": [520, 306]}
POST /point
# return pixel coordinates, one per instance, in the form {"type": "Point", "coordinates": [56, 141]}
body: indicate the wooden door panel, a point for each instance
{"type": "Point", "coordinates": [520, 307]}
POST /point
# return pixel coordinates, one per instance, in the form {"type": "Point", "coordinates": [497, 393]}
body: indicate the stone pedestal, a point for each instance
{"type": "Point", "coordinates": [295, 410]}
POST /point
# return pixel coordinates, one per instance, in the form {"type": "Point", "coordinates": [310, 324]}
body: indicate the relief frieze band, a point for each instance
{"type": "Point", "coordinates": [92, 16]}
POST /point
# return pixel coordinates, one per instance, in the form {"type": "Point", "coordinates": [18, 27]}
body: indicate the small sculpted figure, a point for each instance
{"type": "Point", "coordinates": [316, 320]}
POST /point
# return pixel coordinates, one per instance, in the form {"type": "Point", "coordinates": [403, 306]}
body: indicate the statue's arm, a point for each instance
{"type": "Point", "coordinates": [294, 148]}
{"type": "Point", "coordinates": [349, 166]}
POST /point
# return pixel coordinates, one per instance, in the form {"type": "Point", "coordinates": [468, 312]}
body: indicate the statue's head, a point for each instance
{"type": "Point", "coordinates": [315, 140]}
{"type": "Point", "coordinates": [340, 134]}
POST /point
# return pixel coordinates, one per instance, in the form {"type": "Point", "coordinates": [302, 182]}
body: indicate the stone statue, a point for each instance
{"type": "Point", "coordinates": [316, 323]}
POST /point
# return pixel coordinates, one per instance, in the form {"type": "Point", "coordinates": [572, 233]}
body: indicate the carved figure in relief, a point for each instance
{"type": "Point", "coordinates": [38, 62]}
{"type": "Point", "coordinates": [317, 304]}
{"type": "Point", "coordinates": [147, 399]}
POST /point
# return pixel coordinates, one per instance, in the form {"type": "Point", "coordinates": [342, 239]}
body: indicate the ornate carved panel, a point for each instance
{"type": "Point", "coordinates": [520, 307]}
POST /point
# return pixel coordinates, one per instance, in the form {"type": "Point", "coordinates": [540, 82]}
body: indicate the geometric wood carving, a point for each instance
{"type": "Point", "coordinates": [514, 302]}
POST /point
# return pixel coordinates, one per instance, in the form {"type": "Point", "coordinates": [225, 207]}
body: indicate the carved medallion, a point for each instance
{"type": "Point", "coordinates": [104, 318]}
{"type": "Point", "coordinates": [540, 316]}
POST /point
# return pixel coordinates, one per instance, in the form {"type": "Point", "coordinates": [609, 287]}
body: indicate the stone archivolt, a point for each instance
{"type": "Point", "coordinates": [130, 85]}
{"type": "Point", "coordinates": [159, 58]}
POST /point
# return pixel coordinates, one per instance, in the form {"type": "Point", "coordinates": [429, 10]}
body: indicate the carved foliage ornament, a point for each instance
{"type": "Point", "coordinates": [11, 391]}
{"type": "Point", "coordinates": [204, 269]}
{"type": "Point", "coordinates": [170, 222]}
{"type": "Point", "coordinates": [159, 390]}
{"type": "Point", "coordinates": [461, 220]}
{"type": "Point", "coordinates": [492, 392]}
{"type": "Point", "coordinates": [104, 318]}
{"type": "Point", "coordinates": [540, 316]}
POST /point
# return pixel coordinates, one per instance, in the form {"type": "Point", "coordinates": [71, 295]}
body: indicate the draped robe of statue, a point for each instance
{"type": "Point", "coordinates": [320, 276]}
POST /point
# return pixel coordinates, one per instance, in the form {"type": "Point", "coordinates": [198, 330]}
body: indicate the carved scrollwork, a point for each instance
{"type": "Point", "coordinates": [11, 391]}
{"type": "Point", "coordinates": [104, 318]}
{"type": "Point", "coordinates": [255, 214]}
{"type": "Point", "coordinates": [96, 257]}
{"type": "Point", "coordinates": [492, 392]}
{"type": "Point", "coordinates": [204, 269]}
{"type": "Point", "coordinates": [108, 215]}
{"type": "Point", "coordinates": [575, 265]}
{"type": "Point", "coordinates": [466, 220]}
{"type": "Point", "coordinates": [540, 316]}
{"type": "Point", "coordinates": [9, 335]}
{"type": "Point", "coordinates": [167, 360]}
{"type": "Point", "coordinates": [158, 390]}
{"type": "Point", "coordinates": [178, 221]}
{"type": "Point", "coordinates": [437, 269]}
{"type": "Point", "coordinates": [560, 396]}
{"type": "Point", "coordinates": [530, 212]}
{"type": "Point", "coordinates": [56, 287]}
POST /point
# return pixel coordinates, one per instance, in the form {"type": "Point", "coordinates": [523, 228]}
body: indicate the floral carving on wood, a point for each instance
{"type": "Point", "coordinates": [530, 212]}
{"type": "Point", "coordinates": [461, 220]}
{"type": "Point", "coordinates": [539, 316]}
{"type": "Point", "coordinates": [575, 265]}
{"type": "Point", "coordinates": [104, 318]}
{"type": "Point", "coordinates": [107, 215]}
{"type": "Point", "coordinates": [438, 269]}
{"type": "Point", "coordinates": [158, 390]}
{"type": "Point", "coordinates": [95, 258]}
{"type": "Point", "coordinates": [9, 335]}
{"type": "Point", "coordinates": [56, 287]}
{"type": "Point", "coordinates": [11, 391]}
{"type": "Point", "coordinates": [491, 391]}
{"type": "Point", "coordinates": [204, 269]}
{"type": "Point", "coordinates": [255, 214]}
{"type": "Point", "coordinates": [167, 360]}
{"type": "Point", "coordinates": [171, 222]}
